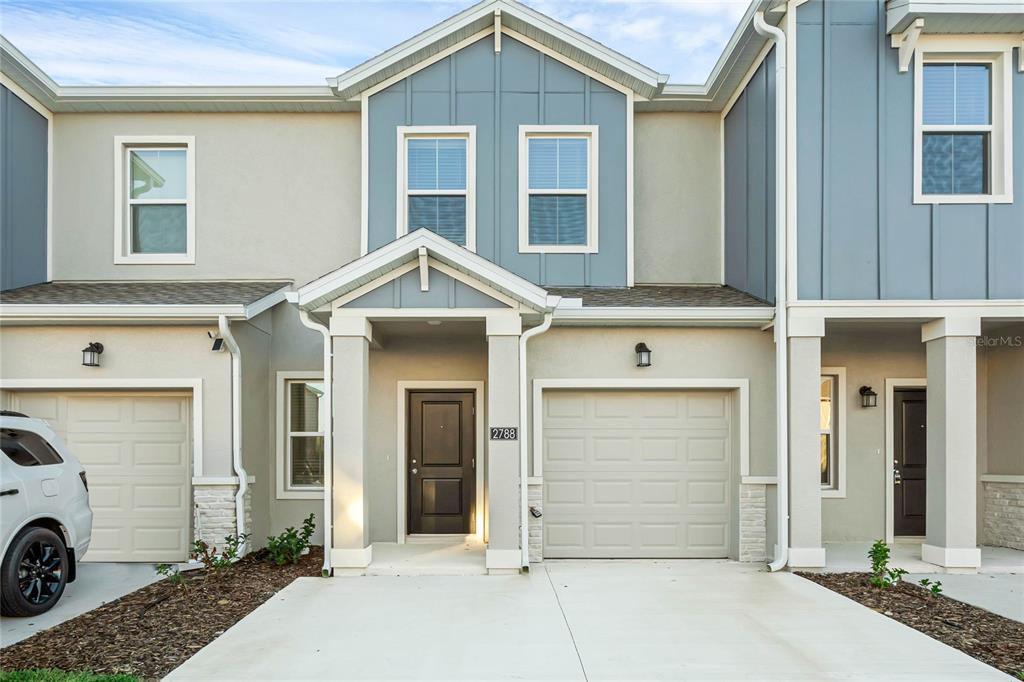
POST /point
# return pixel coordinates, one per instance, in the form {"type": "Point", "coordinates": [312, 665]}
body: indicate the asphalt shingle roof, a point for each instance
{"type": "Point", "coordinates": [659, 296]}
{"type": "Point", "coordinates": [141, 293]}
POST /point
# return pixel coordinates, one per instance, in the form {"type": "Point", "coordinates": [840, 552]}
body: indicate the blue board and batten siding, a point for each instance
{"type": "Point", "coordinates": [860, 236]}
{"type": "Point", "coordinates": [23, 189]}
{"type": "Point", "coordinates": [498, 92]}
{"type": "Point", "coordinates": [750, 186]}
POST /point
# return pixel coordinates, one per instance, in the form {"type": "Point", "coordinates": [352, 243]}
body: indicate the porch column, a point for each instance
{"type": "Point", "coordinates": [952, 418]}
{"type": "Point", "coordinates": [350, 546]}
{"type": "Point", "coordinates": [805, 549]}
{"type": "Point", "coordinates": [503, 499]}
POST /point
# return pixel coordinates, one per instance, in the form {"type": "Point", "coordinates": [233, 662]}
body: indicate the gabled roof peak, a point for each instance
{"type": "Point", "coordinates": [515, 18]}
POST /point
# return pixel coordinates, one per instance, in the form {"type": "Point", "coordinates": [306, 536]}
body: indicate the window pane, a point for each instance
{"type": "Point", "coordinates": [444, 215]}
{"type": "Point", "coordinates": [158, 173]}
{"type": "Point", "coordinates": [826, 459]}
{"type": "Point", "coordinates": [826, 404]}
{"type": "Point", "coordinates": [938, 94]}
{"type": "Point", "coordinates": [307, 465]}
{"type": "Point", "coordinates": [437, 163]}
{"type": "Point", "coordinates": [572, 163]}
{"type": "Point", "coordinates": [27, 449]}
{"type": "Point", "coordinates": [558, 219]}
{"type": "Point", "coordinates": [304, 405]}
{"type": "Point", "coordinates": [543, 162]}
{"type": "Point", "coordinates": [159, 228]}
{"type": "Point", "coordinates": [972, 94]}
{"type": "Point", "coordinates": [954, 163]}
{"type": "Point", "coordinates": [970, 163]}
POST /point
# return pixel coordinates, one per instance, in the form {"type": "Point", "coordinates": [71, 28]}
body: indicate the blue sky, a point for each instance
{"type": "Point", "coordinates": [247, 42]}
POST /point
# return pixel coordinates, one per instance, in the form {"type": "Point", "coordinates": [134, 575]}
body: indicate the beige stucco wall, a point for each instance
{"type": "Point", "coordinates": [1005, 399]}
{"type": "Point", "coordinates": [677, 197]}
{"type": "Point", "coordinates": [136, 354]}
{"type": "Point", "coordinates": [267, 187]}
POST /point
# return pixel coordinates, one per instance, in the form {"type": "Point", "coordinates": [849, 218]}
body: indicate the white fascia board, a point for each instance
{"type": "Point", "coordinates": [753, 316]}
{"type": "Point", "coordinates": [54, 313]}
{"type": "Point", "coordinates": [266, 303]}
{"type": "Point", "coordinates": [900, 14]}
{"type": "Point", "coordinates": [406, 248]}
{"type": "Point", "coordinates": [1003, 308]}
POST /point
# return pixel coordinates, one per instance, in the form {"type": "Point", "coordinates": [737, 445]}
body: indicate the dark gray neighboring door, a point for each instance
{"type": "Point", "coordinates": [911, 454]}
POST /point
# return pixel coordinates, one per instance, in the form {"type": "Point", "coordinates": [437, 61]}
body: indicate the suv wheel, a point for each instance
{"type": "Point", "coordinates": [34, 573]}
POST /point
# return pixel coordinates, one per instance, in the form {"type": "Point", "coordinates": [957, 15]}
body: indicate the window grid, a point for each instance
{"type": "Point", "coordinates": [958, 134]}
{"type": "Point", "coordinates": [129, 152]}
{"type": "Point", "coordinates": [290, 435]}
{"type": "Point", "coordinates": [827, 431]}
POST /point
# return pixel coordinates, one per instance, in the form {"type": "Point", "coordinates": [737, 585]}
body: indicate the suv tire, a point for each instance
{"type": "Point", "coordinates": [34, 573]}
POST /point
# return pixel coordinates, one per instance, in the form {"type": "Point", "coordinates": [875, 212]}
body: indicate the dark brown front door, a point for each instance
{"type": "Point", "coordinates": [911, 450]}
{"type": "Point", "coordinates": [441, 463]}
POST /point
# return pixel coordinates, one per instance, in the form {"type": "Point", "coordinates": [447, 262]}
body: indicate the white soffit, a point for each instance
{"type": "Point", "coordinates": [956, 16]}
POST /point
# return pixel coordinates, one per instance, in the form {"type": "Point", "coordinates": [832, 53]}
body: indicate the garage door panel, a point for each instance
{"type": "Point", "coordinates": [647, 474]}
{"type": "Point", "coordinates": [136, 450]}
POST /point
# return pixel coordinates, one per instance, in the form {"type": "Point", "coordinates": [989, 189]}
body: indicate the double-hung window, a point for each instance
{"type": "Point", "coordinates": [558, 189]}
{"type": "Point", "coordinates": [154, 195]}
{"type": "Point", "coordinates": [436, 182]}
{"type": "Point", "coordinates": [963, 151]}
{"type": "Point", "coordinates": [301, 423]}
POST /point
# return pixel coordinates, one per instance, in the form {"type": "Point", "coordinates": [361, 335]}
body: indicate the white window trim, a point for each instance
{"type": "Point", "coordinates": [284, 489]}
{"type": "Point", "coordinates": [588, 132]}
{"type": "Point", "coordinates": [122, 176]}
{"type": "Point", "coordinates": [998, 52]}
{"type": "Point", "coordinates": [402, 187]}
{"type": "Point", "coordinates": [838, 432]}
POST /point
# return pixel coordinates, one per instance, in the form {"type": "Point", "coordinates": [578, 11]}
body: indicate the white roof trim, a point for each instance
{"type": "Point", "coordinates": [406, 248]}
{"type": "Point", "coordinates": [480, 17]}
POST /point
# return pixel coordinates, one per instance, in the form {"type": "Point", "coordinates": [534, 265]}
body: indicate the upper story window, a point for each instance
{"type": "Point", "coordinates": [963, 136]}
{"type": "Point", "coordinates": [436, 173]}
{"type": "Point", "coordinates": [558, 189]}
{"type": "Point", "coordinates": [154, 215]}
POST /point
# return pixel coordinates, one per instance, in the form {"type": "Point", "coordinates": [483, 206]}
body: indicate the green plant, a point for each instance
{"type": "Point", "coordinates": [881, 575]}
{"type": "Point", "coordinates": [171, 572]}
{"type": "Point", "coordinates": [1020, 675]}
{"type": "Point", "coordinates": [934, 587]}
{"type": "Point", "coordinates": [288, 546]}
{"type": "Point", "coordinates": [46, 675]}
{"type": "Point", "coordinates": [212, 559]}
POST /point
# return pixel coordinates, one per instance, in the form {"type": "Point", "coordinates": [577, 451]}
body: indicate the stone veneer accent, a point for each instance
{"type": "Point", "coordinates": [1004, 514]}
{"type": "Point", "coordinates": [753, 522]}
{"type": "Point", "coordinates": [535, 498]}
{"type": "Point", "coordinates": [214, 512]}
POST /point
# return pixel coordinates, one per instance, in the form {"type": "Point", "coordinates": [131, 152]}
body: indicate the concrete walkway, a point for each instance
{"type": "Point", "coordinates": [998, 593]}
{"type": "Point", "coordinates": [96, 584]}
{"type": "Point", "coordinates": [593, 620]}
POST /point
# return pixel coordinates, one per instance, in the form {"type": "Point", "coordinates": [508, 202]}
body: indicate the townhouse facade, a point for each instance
{"type": "Point", "coordinates": [503, 281]}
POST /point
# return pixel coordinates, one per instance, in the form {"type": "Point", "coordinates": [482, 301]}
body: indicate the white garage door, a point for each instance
{"type": "Point", "coordinates": [136, 449]}
{"type": "Point", "coordinates": [642, 474]}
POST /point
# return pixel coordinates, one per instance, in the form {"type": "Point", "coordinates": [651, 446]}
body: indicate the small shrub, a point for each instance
{"type": "Point", "coordinates": [934, 587]}
{"type": "Point", "coordinates": [212, 559]}
{"type": "Point", "coordinates": [288, 546]}
{"type": "Point", "coordinates": [881, 575]}
{"type": "Point", "coordinates": [171, 572]}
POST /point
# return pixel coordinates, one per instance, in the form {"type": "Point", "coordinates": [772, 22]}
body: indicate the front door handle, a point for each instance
{"type": "Point", "coordinates": [415, 471]}
{"type": "Point", "coordinates": [11, 491]}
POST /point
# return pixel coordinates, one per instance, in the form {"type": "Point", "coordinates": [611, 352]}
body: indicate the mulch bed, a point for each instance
{"type": "Point", "coordinates": [152, 631]}
{"type": "Point", "coordinates": [983, 635]}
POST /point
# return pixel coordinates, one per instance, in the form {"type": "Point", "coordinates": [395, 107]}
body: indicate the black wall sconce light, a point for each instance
{"type": "Point", "coordinates": [91, 354]}
{"type": "Point", "coordinates": [643, 355]}
{"type": "Point", "coordinates": [868, 398]}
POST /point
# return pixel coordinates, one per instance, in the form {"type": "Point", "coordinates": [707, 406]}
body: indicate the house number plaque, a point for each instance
{"type": "Point", "coordinates": [504, 433]}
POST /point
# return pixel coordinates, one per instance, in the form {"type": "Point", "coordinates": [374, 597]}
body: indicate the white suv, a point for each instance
{"type": "Point", "coordinates": [45, 519]}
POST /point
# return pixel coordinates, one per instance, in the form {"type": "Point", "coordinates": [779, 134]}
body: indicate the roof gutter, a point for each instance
{"type": "Point", "coordinates": [328, 523]}
{"type": "Point", "coordinates": [524, 471]}
{"type": "Point", "coordinates": [224, 326]}
{"type": "Point", "coordinates": [781, 335]}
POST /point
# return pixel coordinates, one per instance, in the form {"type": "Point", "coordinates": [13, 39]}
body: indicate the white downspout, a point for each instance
{"type": "Point", "coordinates": [236, 425]}
{"type": "Point", "coordinates": [328, 521]}
{"type": "Point", "coordinates": [524, 449]}
{"type": "Point", "coordinates": [781, 335]}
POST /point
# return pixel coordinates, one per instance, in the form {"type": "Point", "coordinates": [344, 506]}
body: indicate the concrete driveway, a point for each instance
{"type": "Point", "coordinates": [692, 620]}
{"type": "Point", "coordinates": [96, 584]}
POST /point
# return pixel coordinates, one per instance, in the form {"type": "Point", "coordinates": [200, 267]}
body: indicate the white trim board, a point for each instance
{"type": "Point", "coordinates": [402, 455]}
{"type": "Point", "coordinates": [283, 491]}
{"type": "Point", "coordinates": [891, 385]}
{"type": "Point", "coordinates": [195, 385]}
{"type": "Point", "coordinates": [741, 386]}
